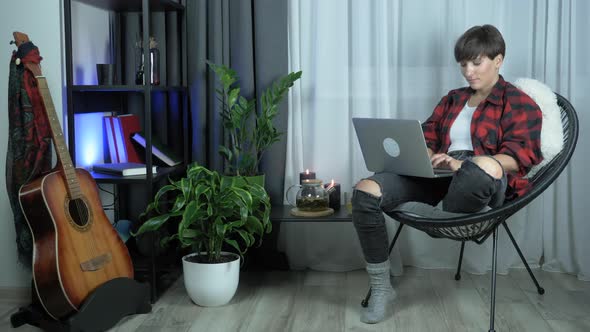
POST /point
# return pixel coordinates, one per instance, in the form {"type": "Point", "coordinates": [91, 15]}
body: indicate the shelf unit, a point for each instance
{"type": "Point", "coordinates": [124, 88]}
{"type": "Point", "coordinates": [90, 98]}
{"type": "Point", "coordinates": [163, 173]}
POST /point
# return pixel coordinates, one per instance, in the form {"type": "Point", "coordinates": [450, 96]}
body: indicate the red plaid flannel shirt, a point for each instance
{"type": "Point", "coordinates": [507, 122]}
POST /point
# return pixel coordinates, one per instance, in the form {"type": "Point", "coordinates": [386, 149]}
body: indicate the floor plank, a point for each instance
{"type": "Point", "coordinates": [275, 301]}
{"type": "Point", "coordinates": [462, 307]}
{"type": "Point", "coordinates": [570, 326]}
{"type": "Point", "coordinates": [560, 301]}
{"type": "Point", "coordinates": [514, 311]}
{"type": "Point", "coordinates": [428, 300]}
{"type": "Point", "coordinates": [417, 307]}
{"type": "Point", "coordinates": [318, 303]}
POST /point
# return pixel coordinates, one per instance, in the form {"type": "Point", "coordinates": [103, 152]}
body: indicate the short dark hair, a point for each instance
{"type": "Point", "coordinates": [479, 40]}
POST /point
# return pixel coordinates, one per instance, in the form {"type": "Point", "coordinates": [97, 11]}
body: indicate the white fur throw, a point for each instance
{"type": "Point", "coordinates": [551, 130]}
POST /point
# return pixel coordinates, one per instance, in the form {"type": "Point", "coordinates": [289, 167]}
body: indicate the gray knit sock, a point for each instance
{"type": "Point", "coordinates": [382, 294]}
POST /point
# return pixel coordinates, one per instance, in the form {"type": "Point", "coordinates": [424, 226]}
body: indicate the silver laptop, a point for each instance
{"type": "Point", "coordinates": [396, 146]}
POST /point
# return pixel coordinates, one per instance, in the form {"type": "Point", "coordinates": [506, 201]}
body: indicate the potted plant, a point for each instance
{"type": "Point", "coordinates": [249, 133]}
{"type": "Point", "coordinates": [212, 211]}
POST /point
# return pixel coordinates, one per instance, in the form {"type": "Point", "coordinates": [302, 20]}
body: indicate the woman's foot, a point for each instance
{"type": "Point", "coordinates": [382, 293]}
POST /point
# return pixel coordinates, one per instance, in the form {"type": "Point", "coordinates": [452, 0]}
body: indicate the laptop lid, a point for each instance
{"type": "Point", "coordinates": [396, 146]}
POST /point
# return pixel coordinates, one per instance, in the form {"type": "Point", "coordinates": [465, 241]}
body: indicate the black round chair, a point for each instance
{"type": "Point", "coordinates": [479, 226]}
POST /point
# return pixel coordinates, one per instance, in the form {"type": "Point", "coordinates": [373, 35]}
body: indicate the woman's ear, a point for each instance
{"type": "Point", "coordinates": [498, 60]}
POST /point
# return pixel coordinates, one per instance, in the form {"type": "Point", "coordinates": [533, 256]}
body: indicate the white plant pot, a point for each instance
{"type": "Point", "coordinates": [211, 285]}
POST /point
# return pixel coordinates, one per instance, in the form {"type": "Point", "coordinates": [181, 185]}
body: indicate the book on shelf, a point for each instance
{"type": "Point", "coordinates": [159, 150]}
{"type": "Point", "coordinates": [123, 169]}
{"type": "Point", "coordinates": [119, 129]}
{"type": "Point", "coordinates": [111, 133]}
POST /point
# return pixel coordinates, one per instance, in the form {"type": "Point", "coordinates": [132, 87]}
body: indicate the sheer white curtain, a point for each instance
{"type": "Point", "coordinates": [385, 58]}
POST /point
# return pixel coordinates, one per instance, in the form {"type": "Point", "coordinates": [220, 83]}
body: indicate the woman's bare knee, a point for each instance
{"type": "Point", "coordinates": [370, 187]}
{"type": "Point", "coordinates": [489, 165]}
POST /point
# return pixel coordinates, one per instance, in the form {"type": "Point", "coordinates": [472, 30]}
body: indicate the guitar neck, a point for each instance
{"type": "Point", "coordinates": [58, 140]}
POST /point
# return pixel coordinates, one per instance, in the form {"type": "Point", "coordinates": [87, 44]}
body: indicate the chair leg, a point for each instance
{"type": "Point", "coordinates": [458, 274]}
{"type": "Point", "coordinates": [399, 229]}
{"type": "Point", "coordinates": [365, 302]}
{"type": "Point", "coordinates": [540, 289]}
{"type": "Point", "coordinates": [493, 287]}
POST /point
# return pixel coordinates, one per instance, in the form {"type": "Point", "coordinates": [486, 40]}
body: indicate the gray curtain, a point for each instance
{"type": "Point", "coordinates": [250, 36]}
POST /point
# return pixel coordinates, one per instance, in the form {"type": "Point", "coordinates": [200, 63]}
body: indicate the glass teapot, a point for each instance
{"type": "Point", "coordinates": [311, 196]}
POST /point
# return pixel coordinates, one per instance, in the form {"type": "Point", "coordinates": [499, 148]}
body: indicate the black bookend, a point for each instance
{"type": "Point", "coordinates": [102, 310]}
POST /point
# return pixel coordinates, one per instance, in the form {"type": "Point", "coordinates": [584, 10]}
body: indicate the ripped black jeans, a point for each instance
{"type": "Point", "coordinates": [470, 189]}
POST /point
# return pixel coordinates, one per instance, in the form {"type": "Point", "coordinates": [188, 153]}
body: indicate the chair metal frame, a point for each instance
{"type": "Point", "coordinates": [479, 226]}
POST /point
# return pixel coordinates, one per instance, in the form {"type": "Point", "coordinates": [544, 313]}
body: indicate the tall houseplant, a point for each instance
{"type": "Point", "coordinates": [249, 133]}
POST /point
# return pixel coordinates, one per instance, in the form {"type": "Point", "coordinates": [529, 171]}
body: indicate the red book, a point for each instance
{"type": "Point", "coordinates": [129, 124]}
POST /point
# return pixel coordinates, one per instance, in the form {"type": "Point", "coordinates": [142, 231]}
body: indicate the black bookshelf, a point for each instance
{"type": "Point", "coordinates": [163, 173]}
{"type": "Point", "coordinates": [116, 99]}
{"type": "Point", "coordinates": [125, 88]}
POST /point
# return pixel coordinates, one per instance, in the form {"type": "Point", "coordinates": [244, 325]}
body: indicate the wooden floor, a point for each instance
{"type": "Point", "coordinates": [428, 300]}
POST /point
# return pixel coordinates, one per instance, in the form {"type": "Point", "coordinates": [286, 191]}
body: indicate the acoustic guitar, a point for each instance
{"type": "Point", "coordinates": [76, 249]}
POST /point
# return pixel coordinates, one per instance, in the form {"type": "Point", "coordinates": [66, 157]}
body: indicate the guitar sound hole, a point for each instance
{"type": "Point", "coordinates": [78, 212]}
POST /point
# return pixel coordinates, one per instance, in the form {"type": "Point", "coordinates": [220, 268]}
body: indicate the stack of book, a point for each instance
{"type": "Point", "coordinates": [123, 169]}
{"type": "Point", "coordinates": [127, 143]}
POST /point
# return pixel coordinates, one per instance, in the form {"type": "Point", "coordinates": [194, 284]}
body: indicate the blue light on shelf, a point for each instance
{"type": "Point", "coordinates": [89, 139]}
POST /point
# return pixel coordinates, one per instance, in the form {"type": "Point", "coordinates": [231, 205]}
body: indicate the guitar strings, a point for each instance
{"type": "Point", "coordinates": [82, 211]}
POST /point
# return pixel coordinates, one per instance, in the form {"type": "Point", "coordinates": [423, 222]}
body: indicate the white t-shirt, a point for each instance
{"type": "Point", "coordinates": [461, 130]}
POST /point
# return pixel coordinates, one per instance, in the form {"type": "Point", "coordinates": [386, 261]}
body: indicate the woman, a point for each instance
{"type": "Point", "coordinates": [488, 133]}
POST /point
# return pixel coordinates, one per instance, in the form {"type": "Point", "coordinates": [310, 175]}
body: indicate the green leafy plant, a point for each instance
{"type": "Point", "coordinates": [212, 210]}
{"type": "Point", "coordinates": [249, 133]}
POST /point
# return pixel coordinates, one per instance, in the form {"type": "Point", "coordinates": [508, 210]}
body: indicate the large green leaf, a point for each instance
{"type": "Point", "coordinates": [234, 244]}
{"type": "Point", "coordinates": [235, 224]}
{"type": "Point", "coordinates": [244, 196]}
{"type": "Point", "coordinates": [247, 237]}
{"type": "Point", "coordinates": [254, 225]}
{"type": "Point", "coordinates": [227, 182]}
{"type": "Point", "coordinates": [191, 234]}
{"type": "Point", "coordinates": [191, 213]}
{"type": "Point", "coordinates": [233, 96]}
{"type": "Point", "coordinates": [155, 205]}
{"type": "Point", "coordinates": [156, 222]}
{"type": "Point", "coordinates": [225, 152]}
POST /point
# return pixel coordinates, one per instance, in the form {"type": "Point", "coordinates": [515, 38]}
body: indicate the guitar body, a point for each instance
{"type": "Point", "coordinates": [76, 249]}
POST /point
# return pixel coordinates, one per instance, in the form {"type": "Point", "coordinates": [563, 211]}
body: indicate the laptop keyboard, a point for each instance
{"type": "Point", "coordinates": [442, 171]}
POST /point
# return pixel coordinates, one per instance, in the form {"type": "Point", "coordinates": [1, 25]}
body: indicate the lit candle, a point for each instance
{"type": "Point", "coordinates": [334, 191]}
{"type": "Point", "coordinates": [307, 175]}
